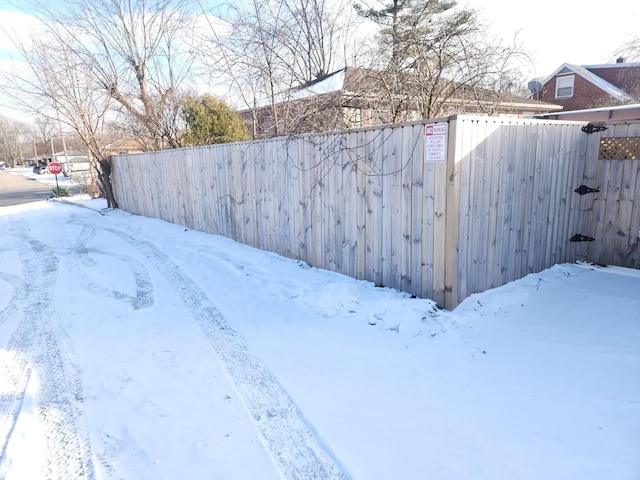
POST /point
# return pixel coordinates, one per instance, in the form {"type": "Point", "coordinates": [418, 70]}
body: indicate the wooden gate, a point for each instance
{"type": "Point", "coordinates": [610, 199]}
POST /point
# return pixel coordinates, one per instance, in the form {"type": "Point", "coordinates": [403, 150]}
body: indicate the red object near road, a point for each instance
{"type": "Point", "coordinates": [55, 168]}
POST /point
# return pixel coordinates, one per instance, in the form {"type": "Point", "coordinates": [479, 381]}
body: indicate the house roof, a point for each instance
{"type": "Point", "coordinates": [357, 81]}
{"type": "Point", "coordinates": [612, 65]}
{"type": "Point", "coordinates": [332, 82]}
{"type": "Point", "coordinates": [126, 144]}
{"type": "Point", "coordinates": [586, 73]}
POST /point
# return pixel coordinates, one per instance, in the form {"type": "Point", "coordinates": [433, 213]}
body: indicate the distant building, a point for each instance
{"type": "Point", "coordinates": [72, 161]}
{"type": "Point", "coordinates": [578, 87]}
{"type": "Point", "coordinates": [126, 145]}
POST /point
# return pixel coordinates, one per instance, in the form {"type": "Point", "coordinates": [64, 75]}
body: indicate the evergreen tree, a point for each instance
{"type": "Point", "coordinates": [408, 26]}
{"type": "Point", "coordinates": [437, 57]}
{"type": "Point", "coordinates": [210, 120]}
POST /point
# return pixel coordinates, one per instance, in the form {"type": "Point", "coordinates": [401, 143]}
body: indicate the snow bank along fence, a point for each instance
{"type": "Point", "coordinates": [439, 212]}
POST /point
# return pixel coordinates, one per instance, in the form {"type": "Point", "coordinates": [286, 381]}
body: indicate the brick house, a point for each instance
{"type": "Point", "coordinates": [577, 87]}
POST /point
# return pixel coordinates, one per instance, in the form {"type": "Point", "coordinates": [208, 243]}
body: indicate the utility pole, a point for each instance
{"type": "Point", "coordinates": [53, 155]}
{"type": "Point", "coordinates": [20, 150]}
{"type": "Point", "coordinates": [35, 151]}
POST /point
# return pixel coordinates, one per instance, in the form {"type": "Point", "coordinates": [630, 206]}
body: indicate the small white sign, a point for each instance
{"type": "Point", "coordinates": [435, 142]}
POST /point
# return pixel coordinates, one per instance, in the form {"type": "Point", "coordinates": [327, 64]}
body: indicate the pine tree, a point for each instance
{"type": "Point", "coordinates": [429, 51]}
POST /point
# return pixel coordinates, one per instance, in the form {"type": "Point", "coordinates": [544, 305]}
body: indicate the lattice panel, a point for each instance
{"type": "Point", "coordinates": [619, 148]}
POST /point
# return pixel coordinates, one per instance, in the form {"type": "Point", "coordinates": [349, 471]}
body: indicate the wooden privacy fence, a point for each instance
{"type": "Point", "coordinates": [512, 191]}
{"type": "Point", "coordinates": [379, 204]}
{"type": "Point", "coordinates": [612, 212]}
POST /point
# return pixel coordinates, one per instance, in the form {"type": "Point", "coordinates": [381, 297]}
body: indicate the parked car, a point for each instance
{"type": "Point", "coordinates": [40, 169]}
{"type": "Point", "coordinates": [2, 165]}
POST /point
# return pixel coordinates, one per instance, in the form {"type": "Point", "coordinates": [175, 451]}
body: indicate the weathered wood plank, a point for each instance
{"type": "Point", "coordinates": [540, 207]}
{"type": "Point", "coordinates": [361, 202]}
{"type": "Point", "coordinates": [403, 270]}
{"type": "Point", "coordinates": [569, 201]}
{"type": "Point", "coordinates": [303, 164]}
{"type": "Point", "coordinates": [439, 251]}
{"type": "Point", "coordinates": [516, 197]}
{"type": "Point", "coordinates": [551, 180]}
{"type": "Point", "coordinates": [468, 281]}
{"type": "Point", "coordinates": [453, 214]}
{"type": "Point", "coordinates": [494, 162]}
{"type": "Point", "coordinates": [412, 151]}
{"type": "Point", "coordinates": [388, 203]}
{"type": "Point", "coordinates": [373, 194]}
{"type": "Point", "coordinates": [632, 257]}
{"type": "Point", "coordinates": [466, 132]}
{"type": "Point", "coordinates": [573, 215]}
{"type": "Point", "coordinates": [481, 208]}
{"type": "Point", "coordinates": [349, 203]}
{"type": "Point", "coordinates": [586, 226]}
{"type": "Point", "coordinates": [428, 232]}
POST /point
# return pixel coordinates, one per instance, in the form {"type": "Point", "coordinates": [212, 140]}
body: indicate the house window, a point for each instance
{"type": "Point", "coordinates": [564, 86]}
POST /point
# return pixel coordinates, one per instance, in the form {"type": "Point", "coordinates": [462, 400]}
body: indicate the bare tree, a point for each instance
{"type": "Point", "coordinates": [431, 59]}
{"type": "Point", "coordinates": [629, 78]}
{"type": "Point", "coordinates": [254, 54]}
{"type": "Point", "coordinates": [269, 48]}
{"type": "Point", "coordinates": [12, 135]}
{"type": "Point", "coordinates": [314, 36]}
{"type": "Point", "coordinates": [91, 60]}
{"type": "Point", "coordinates": [630, 50]}
{"type": "Point", "coordinates": [57, 86]}
{"type": "Point", "coordinates": [139, 52]}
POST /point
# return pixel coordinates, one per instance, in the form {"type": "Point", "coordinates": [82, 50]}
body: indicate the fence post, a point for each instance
{"type": "Point", "coordinates": [452, 217]}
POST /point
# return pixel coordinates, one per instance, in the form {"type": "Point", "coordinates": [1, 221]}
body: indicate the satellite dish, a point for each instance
{"type": "Point", "coordinates": [534, 86]}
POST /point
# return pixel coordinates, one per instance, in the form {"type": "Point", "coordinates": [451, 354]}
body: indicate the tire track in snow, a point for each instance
{"type": "Point", "coordinates": [15, 370]}
{"type": "Point", "coordinates": [81, 255]}
{"type": "Point", "coordinates": [17, 285]}
{"type": "Point", "coordinates": [290, 440]}
{"type": "Point", "coordinates": [41, 339]}
{"type": "Point", "coordinates": [14, 377]}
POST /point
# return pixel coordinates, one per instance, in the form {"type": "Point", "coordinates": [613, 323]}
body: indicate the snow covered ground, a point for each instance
{"type": "Point", "coordinates": [131, 348]}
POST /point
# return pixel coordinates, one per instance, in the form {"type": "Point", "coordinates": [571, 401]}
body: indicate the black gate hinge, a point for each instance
{"type": "Point", "coordinates": [591, 128]}
{"type": "Point", "coordinates": [583, 190]}
{"type": "Point", "coordinates": [581, 238]}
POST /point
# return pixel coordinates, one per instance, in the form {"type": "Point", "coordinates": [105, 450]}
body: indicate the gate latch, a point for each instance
{"type": "Point", "coordinates": [583, 190]}
{"type": "Point", "coordinates": [591, 128]}
{"type": "Point", "coordinates": [581, 238]}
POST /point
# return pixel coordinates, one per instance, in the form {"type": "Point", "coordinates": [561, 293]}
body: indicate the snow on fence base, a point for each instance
{"type": "Point", "coordinates": [365, 202]}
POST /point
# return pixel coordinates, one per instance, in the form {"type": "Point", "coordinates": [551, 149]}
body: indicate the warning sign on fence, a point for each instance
{"type": "Point", "coordinates": [435, 142]}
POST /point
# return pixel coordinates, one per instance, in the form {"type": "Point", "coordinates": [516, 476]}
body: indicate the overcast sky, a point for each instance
{"type": "Point", "coordinates": [564, 31]}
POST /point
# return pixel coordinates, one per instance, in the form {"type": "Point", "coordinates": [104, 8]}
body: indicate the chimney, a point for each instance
{"type": "Point", "coordinates": [620, 60]}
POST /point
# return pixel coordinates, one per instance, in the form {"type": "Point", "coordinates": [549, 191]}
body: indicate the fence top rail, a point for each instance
{"type": "Point", "coordinates": [288, 138]}
{"type": "Point", "coordinates": [516, 120]}
{"type": "Point", "coordinates": [463, 117]}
